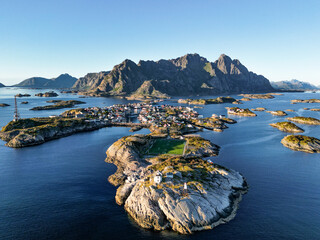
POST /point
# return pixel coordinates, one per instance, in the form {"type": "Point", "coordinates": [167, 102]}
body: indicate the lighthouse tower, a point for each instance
{"type": "Point", "coordinates": [16, 115]}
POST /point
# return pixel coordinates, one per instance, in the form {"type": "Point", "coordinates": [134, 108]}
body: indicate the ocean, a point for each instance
{"type": "Point", "coordinates": [59, 190]}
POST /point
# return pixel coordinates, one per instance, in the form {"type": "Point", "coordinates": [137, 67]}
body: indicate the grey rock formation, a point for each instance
{"type": "Point", "coordinates": [187, 75]}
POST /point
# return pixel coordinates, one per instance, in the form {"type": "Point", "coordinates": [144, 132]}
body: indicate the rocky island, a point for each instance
{"type": "Point", "coordinates": [23, 95]}
{"type": "Point", "coordinates": [258, 109]}
{"type": "Point", "coordinates": [305, 120]}
{"type": "Point", "coordinates": [287, 127]}
{"type": "Point", "coordinates": [277, 113]}
{"type": "Point", "coordinates": [4, 105]}
{"type": "Point", "coordinates": [47, 94]}
{"type": "Point", "coordinates": [173, 187]}
{"type": "Point", "coordinates": [58, 104]}
{"type": "Point", "coordinates": [257, 96]}
{"type": "Point", "coordinates": [200, 101]}
{"type": "Point", "coordinates": [302, 143]}
{"type": "Point", "coordinates": [305, 101]}
{"type": "Point", "coordinates": [241, 112]}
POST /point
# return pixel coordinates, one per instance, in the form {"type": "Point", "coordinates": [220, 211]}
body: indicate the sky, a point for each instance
{"type": "Point", "coordinates": [278, 39]}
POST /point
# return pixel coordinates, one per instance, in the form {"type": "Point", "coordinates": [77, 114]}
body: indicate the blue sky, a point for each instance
{"type": "Point", "coordinates": [278, 39]}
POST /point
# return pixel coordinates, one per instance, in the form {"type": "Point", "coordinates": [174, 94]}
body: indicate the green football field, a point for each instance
{"type": "Point", "coordinates": [167, 146]}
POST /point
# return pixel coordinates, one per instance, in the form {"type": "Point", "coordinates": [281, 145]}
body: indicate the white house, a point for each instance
{"type": "Point", "coordinates": [158, 177]}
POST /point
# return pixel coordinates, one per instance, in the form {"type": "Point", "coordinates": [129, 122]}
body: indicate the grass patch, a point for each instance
{"type": "Point", "coordinates": [167, 146]}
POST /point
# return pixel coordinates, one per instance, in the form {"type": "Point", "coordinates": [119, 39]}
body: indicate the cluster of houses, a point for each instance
{"type": "Point", "coordinates": [114, 113]}
{"type": "Point", "coordinates": [165, 115]}
{"type": "Point", "coordinates": [235, 110]}
{"type": "Point", "coordinates": [158, 176]}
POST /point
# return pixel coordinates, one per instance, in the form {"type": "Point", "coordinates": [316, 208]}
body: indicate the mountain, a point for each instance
{"type": "Point", "coordinates": [1, 85]}
{"type": "Point", "coordinates": [293, 85]}
{"type": "Point", "coordinates": [187, 75]}
{"type": "Point", "coordinates": [62, 81]}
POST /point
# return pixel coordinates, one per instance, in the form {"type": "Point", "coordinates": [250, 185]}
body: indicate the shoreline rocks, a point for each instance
{"type": "Point", "coordinates": [287, 127]}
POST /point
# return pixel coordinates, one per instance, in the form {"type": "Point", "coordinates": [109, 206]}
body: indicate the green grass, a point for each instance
{"type": "Point", "coordinates": [167, 146]}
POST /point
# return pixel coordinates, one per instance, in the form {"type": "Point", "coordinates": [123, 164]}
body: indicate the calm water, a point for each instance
{"type": "Point", "coordinates": [59, 190]}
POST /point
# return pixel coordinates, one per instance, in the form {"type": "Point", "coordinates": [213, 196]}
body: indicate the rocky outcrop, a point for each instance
{"type": "Point", "coordinates": [305, 101]}
{"type": "Point", "coordinates": [47, 94]}
{"type": "Point", "coordinates": [258, 109]}
{"type": "Point", "coordinates": [58, 104]}
{"type": "Point", "coordinates": [277, 113]}
{"type": "Point", "coordinates": [4, 105]}
{"type": "Point", "coordinates": [188, 75]}
{"type": "Point", "coordinates": [212, 195]}
{"type": "Point", "coordinates": [257, 96]}
{"type": "Point", "coordinates": [287, 127]}
{"type": "Point", "coordinates": [204, 207]}
{"type": "Point", "coordinates": [244, 112]}
{"type": "Point", "coordinates": [202, 101]}
{"type": "Point", "coordinates": [305, 120]}
{"type": "Point", "coordinates": [302, 143]}
{"type": "Point", "coordinates": [23, 95]}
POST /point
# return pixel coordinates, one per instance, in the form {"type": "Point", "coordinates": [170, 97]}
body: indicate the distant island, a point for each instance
{"type": "Point", "coordinates": [62, 81]}
{"type": "Point", "coordinates": [58, 104]}
{"type": "Point", "coordinates": [293, 85]}
{"type": "Point", "coordinates": [187, 75]}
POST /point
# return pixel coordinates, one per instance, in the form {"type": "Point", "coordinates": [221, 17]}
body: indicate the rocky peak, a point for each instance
{"type": "Point", "coordinates": [190, 61]}
{"type": "Point", "coordinates": [224, 63]}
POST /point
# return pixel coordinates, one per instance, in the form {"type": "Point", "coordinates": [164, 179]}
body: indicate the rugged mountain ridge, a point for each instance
{"type": "Point", "coordinates": [190, 74]}
{"type": "Point", "coordinates": [293, 85]}
{"type": "Point", "coordinates": [62, 81]}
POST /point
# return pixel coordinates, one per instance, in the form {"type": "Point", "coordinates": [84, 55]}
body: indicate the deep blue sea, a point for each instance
{"type": "Point", "coordinates": [59, 190]}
